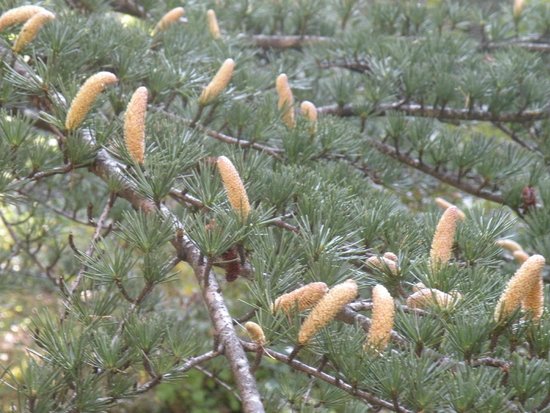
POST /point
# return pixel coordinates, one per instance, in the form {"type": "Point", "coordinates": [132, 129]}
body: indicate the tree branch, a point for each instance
{"type": "Point", "coordinates": [415, 109]}
{"type": "Point", "coordinates": [445, 177]}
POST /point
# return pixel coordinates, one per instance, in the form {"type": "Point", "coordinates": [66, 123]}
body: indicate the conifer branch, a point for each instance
{"type": "Point", "coordinates": [286, 42]}
{"type": "Point", "coordinates": [327, 378]}
{"type": "Point", "coordinates": [415, 109]}
{"type": "Point", "coordinates": [443, 176]}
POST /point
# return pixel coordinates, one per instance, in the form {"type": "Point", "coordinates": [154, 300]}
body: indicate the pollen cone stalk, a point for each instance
{"type": "Point", "coordinates": [236, 193]}
{"type": "Point", "coordinates": [86, 97]}
{"type": "Point", "coordinates": [218, 84]}
{"type": "Point", "coordinates": [18, 15]}
{"type": "Point", "coordinates": [255, 332]}
{"type": "Point", "coordinates": [326, 309]}
{"type": "Point", "coordinates": [286, 100]}
{"type": "Point", "coordinates": [301, 299]}
{"type": "Point", "coordinates": [213, 26]}
{"type": "Point", "coordinates": [521, 287]}
{"type": "Point", "coordinates": [383, 313]}
{"type": "Point", "coordinates": [168, 19]}
{"type": "Point", "coordinates": [31, 28]}
{"type": "Point", "coordinates": [442, 244]}
{"type": "Point", "coordinates": [134, 124]}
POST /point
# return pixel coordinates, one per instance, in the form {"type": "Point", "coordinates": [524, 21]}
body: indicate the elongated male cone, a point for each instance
{"type": "Point", "coordinates": [383, 314]}
{"type": "Point", "coordinates": [218, 83]}
{"type": "Point", "coordinates": [18, 15]}
{"type": "Point", "coordinates": [300, 299]}
{"type": "Point", "coordinates": [168, 19]}
{"type": "Point", "coordinates": [520, 287]}
{"type": "Point", "coordinates": [236, 193]}
{"type": "Point", "coordinates": [255, 332]}
{"type": "Point", "coordinates": [426, 297]}
{"type": "Point", "coordinates": [30, 29]}
{"type": "Point", "coordinates": [383, 263]}
{"type": "Point", "coordinates": [444, 204]}
{"type": "Point", "coordinates": [518, 8]}
{"type": "Point", "coordinates": [442, 244]}
{"type": "Point", "coordinates": [286, 100]}
{"type": "Point", "coordinates": [520, 256]}
{"type": "Point", "coordinates": [213, 26]}
{"type": "Point", "coordinates": [509, 245]}
{"type": "Point", "coordinates": [309, 111]}
{"type": "Point", "coordinates": [134, 124]}
{"type": "Point", "coordinates": [326, 309]}
{"type": "Point", "coordinates": [86, 96]}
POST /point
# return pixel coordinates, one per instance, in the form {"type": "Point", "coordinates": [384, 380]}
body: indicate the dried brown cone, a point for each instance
{"type": "Point", "coordinates": [444, 204]}
{"type": "Point", "coordinates": [255, 332]}
{"type": "Point", "coordinates": [428, 297]}
{"type": "Point", "coordinates": [218, 84]}
{"type": "Point", "coordinates": [509, 245]}
{"type": "Point", "coordinates": [30, 29]}
{"type": "Point", "coordinates": [520, 286]}
{"type": "Point", "coordinates": [236, 193]}
{"type": "Point", "coordinates": [86, 97]}
{"type": "Point", "coordinates": [442, 244]}
{"type": "Point", "coordinates": [382, 263]}
{"type": "Point", "coordinates": [309, 111]}
{"type": "Point", "coordinates": [286, 100]}
{"type": "Point", "coordinates": [520, 256]}
{"type": "Point", "coordinates": [18, 15]}
{"type": "Point", "coordinates": [213, 26]}
{"type": "Point", "coordinates": [168, 19]}
{"type": "Point", "coordinates": [326, 309]}
{"type": "Point", "coordinates": [134, 125]}
{"type": "Point", "coordinates": [383, 314]}
{"type": "Point", "coordinates": [301, 299]}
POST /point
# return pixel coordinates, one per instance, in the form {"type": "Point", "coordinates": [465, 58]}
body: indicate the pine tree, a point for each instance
{"type": "Point", "coordinates": [215, 192]}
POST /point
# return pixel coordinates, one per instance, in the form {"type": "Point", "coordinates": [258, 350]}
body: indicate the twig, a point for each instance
{"type": "Point", "coordinates": [286, 42]}
{"type": "Point", "coordinates": [312, 371]}
{"type": "Point", "coordinates": [445, 177]}
{"type": "Point", "coordinates": [415, 109]}
{"type": "Point", "coordinates": [219, 381]}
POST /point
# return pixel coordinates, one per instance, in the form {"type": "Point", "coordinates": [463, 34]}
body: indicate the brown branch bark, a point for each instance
{"type": "Point", "coordinates": [445, 177]}
{"type": "Point", "coordinates": [286, 42]}
{"type": "Point", "coordinates": [327, 378]}
{"type": "Point", "coordinates": [415, 109]}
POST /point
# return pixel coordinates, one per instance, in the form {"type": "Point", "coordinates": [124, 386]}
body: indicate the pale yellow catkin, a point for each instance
{"type": "Point", "coordinates": [383, 263]}
{"type": "Point", "coordinates": [390, 256]}
{"type": "Point", "coordinates": [300, 299]}
{"type": "Point", "coordinates": [509, 245]}
{"type": "Point", "coordinates": [518, 8]}
{"type": "Point", "coordinates": [326, 309]}
{"type": "Point", "coordinates": [533, 301]}
{"type": "Point", "coordinates": [426, 297]}
{"type": "Point", "coordinates": [526, 278]}
{"type": "Point", "coordinates": [444, 204]}
{"type": "Point", "coordinates": [309, 111]}
{"type": "Point", "coordinates": [86, 96]}
{"type": "Point", "coordinates": [213, 26]}
{"type": "Point", "coordinates": [236, 193]}
{"type": "Point", "coordinates": [168, 19]}
{"type": "Point", "coordinates": [134, 125]}
{"type": "Point", "coordinates": [218, 83]}
{"type": "Point", "coordinates": [383, 314]}
{"type": "Point", "coordinates": [286, 100]}
{"type": "Point", "coordinates": [520, 256]}
{"type": "Point", "coordinates": [18, 15]}
{"type": "Point", "coordinates": [442, 244]}
{"type": "Point", "coordinates": [255, 332]}
{"type": "Point", "coordinates": [30, 29]}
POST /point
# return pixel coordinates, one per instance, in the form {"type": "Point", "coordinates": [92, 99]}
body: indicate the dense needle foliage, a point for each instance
{"type": "Point", "coordinates": [147, 257]}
